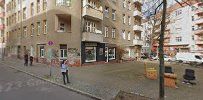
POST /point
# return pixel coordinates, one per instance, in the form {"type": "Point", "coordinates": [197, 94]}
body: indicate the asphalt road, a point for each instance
{"type": "Point", "coordinates": [15, 85]}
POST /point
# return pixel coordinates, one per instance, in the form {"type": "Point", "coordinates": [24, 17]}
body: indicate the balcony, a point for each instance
{"type": "Point", "coordinates": [137, 14]}
{"type": "Point", "coordinates": [2, 2]}
{"type": "Point", "coordinates": [137, 28]}
{"type": "Point", "coordinates": [199, 21]}
{"type": "Point", "coordinates": [2, 14]}
{"type": "Point", "coordinates": [92, 37]}
{"type": "Point", "coordinates": [138, 42]}
{"type": "Point", "coordinates": [93, 13]}
{"type": "Point", "coordinates": [199, 11]}
{"type": "Point", "coordinates": [198, 31]}
{"type": "Point", "coordinates": [199, 42]}
{"type": "Point", "coordinates": [137, 2]}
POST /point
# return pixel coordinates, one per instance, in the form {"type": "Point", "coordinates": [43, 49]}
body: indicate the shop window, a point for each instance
{"type": "Point", "coordinates": [112, 53]}
{"type": "Point", "coordinates": [90, 53]}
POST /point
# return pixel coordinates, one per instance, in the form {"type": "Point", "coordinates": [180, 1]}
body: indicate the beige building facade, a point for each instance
{"type": "Point", "coordinates": [77, 30]}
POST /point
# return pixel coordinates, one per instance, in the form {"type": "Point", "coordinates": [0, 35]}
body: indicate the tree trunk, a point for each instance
{"type": "Point", "coordinates": [161, 53]}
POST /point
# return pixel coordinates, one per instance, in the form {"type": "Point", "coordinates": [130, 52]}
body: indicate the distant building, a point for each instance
{"type": "Point", "coordinates": [2, 25]}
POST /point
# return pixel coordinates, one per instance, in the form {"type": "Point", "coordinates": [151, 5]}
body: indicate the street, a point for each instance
{"type": "Point", "coordinates": [15, 85]}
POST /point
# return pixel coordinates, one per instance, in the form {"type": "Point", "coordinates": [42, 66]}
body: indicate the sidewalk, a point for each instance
{"type": "Point", "coordinates": [107, 80]}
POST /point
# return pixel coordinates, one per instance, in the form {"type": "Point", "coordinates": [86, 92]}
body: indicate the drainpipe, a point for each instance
{"type": "Point", "coordinates": [81, 30]}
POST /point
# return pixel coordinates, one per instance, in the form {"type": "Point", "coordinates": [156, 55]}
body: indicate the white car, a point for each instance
{"type": "Point", "coordinates": [166, 58]}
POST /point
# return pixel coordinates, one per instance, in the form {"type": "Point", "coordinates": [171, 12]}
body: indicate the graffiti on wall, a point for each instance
{"type": "Point", "coordinates": [73, 57]}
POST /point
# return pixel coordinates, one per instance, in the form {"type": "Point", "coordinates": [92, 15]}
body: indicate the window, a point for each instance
{"type": "Point", "coordinates": [106, 12]}
{"type": "Point", "coordinates": [124, 20]}
{"type": "Point", "coordinates": [45, 26]}
{"type": "Point", "coordinates": [178, 39]}
{"type": "Point", "coordinates": [32, 9]}
{"type": "Point", "coordinates": [112, 53]}
{"type": "Point", "coordinates": [38, 28]}
{"type": "Point", "coordinates": [87, 26]}
{"type": "Point", "coordinates": [19, 16]}
{"type": "Point", "coordinates": [129, 5]}
{"type": "Point", "coordinates": [32, 30]}
{"type": "Point", "coordinates": [129, 20]}
{"type": "Point", "coordinates": [42, 51]}
{"type": "Point", "coordinates": [93, 27]}
{"type": "Point", "coordinates": [193, 37]}
{"type": "Point", "coordinates": [128, 35]}
{"type": "Point", "coordinates": [61, 27]}
{"type": "Point", "coordinates": [123, 34]}
{"type": "Point", "coordinates": [92, 3]}
{"type": "Point", "coordinates": [124, 3]}
{"type": "Point", "coordinates": [44, 4]}
{"type": "Point", "coordinates": [113, 33]}
{"type": "Point", "coordinates": [193, 18]}
{"type": "Point", "coordinates": [63, 2]}
{"type": "Point", "coordinates": [106, 32]}
{"type": "Point", "coordinates": [193, 28]}
{"type": "Point", "coordinates": [178, 12]}
{"type": "Point", "coordinates": [63, 51]}
{"type": "Point", "coordinates": [38, 6]}
{"type": "Point", "coordinates": [90, 53]}
{"type": "Point", "coordinates": [113, 14]}
{"type": "Point", "coordinates": [24, 13]}
{"type": "Point", "coordinates": [25, 31]}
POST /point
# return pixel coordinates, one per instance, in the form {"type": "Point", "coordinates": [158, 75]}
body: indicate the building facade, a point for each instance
{"type": "Point", "coordinates": [82, 31]}
{"type": "Point", "coordinates": [2, 25]}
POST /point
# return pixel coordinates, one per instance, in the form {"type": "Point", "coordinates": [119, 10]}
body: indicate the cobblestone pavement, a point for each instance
{"type": "Point", "coordinates": [106, 80]}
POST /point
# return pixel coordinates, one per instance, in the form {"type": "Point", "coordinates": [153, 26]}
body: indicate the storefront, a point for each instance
{"type": "Point", "coordinates": [110, 52]}
{"type": "Point", "coordinates": [93, 52]}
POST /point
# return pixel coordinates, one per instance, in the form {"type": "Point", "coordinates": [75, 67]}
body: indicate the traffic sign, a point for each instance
{"type": "Point", "coordinates": [50, 43]}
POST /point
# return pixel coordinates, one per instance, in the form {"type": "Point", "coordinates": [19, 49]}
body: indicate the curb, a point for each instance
{"type": "Point", "coordinates": [58, 84]}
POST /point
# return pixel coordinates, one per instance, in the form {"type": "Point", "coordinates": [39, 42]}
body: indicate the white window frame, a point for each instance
{"type": "Point", "coordinates": [38, 6]}
{"type": "Point", "coordinates": [113, 33]}
{"type": "Point", "coordinates": [61, 28]}
{"type": "Point", "coordinates": [113, 14]}
{"type": "Point", "coordinates": [124, 3]}
{"type": "Point", "coordinates": [45, 26]}
{"type": "Point", "coordinates": [129, 5]}
{"type": "Point", "coordinates": [123, 34]}
{"type": "Point", "coordinates": [44, 5]}
{"type": "Point", "coordinates": [93, 28]}
{"type": "Point", "coordinates": [106, 33]}
{"type": "Point", "coordinates": [124, 18]}
{"type": "Point", "coordinates": [129, 20]}
{"type": "Point", "coordinates": [25, 31]}
{"type": "Point", "coordinates": [106, 12]}
{"type": "Point", "coordinates": [38, 28]}
{"type": "Point", "coordinates": [32, 29]}
{"type": "Point", "coordinates": [63, 3]}
{"type": "Point", "coordinates": [129, 35]}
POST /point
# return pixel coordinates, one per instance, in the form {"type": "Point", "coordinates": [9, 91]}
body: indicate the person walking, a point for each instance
{"type": "Point", "coordinates": [31, 60]}
{"type": "Point", "coordinates": [26, 59]}
{"type": "Point", "coordinates": [64, 71]}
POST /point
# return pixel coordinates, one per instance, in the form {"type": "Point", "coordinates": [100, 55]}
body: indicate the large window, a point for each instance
{"type": "Point", "coordinates": [113, 33]}
{"type": "Point", "coordinates": [129, 20]}
{"type": "Point", "coordinates": [124, 19]}
{"type": "Point", "coordinates": [113, 14]}
{"type": "Point", "coordinates": [38, 28]}
{"type": "Point", "coordinates": [32, 30]}
{"type": "Point", "coordinates": [19, 16]}
{"type": "Point", "coordinates": [112, 54]}
{"type": "Point", "coordinates": [32, 9]}
{"type": "Point", "coordinates": [45, 26]}
{"type": "Point", "coordinates": [38, 6]}
{"type": "Point", "coordinates": [63, 2]}
{"type": "Point", "coordinates": [42, 51]}
{"type": "Point", "coordinates": [106, 12]}
{"type": "Point", "coordinates": [63, 51]}
{"type": "Point", "coordinates": [25, 31]}
{"type": "Point", "coordinates": [90, 54]}
{"type": "Point", "coordinates": [90, 26]}
{"type": "Point", "coordinates": [124, 3]}
{"type": "Point", "coordinates": [128, 35]}
{"type": "Point", "coordinates": [24, 13]}
{"type": "Point", "coordinates": [106, 33]}
{"type": "Point", "coordinates": [129, 5]}
{"type": "Point", "coordinates": [123, 34]}
{"type": "Point", "coordinates": [44, 4]}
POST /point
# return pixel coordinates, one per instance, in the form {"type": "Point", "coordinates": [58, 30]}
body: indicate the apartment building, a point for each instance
{"type": "Point", "coordinates": [179, 33]}
{"type": "Point", "coordinates": [2, 25]}
{"type": "Point", "coordinates": [82, 31]}
{"type": "Point", "coordinates": [198, 27]}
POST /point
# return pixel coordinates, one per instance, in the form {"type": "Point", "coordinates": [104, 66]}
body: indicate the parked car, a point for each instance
{"type": "Point", "coordinates": [166, 58]}
{"type": "Point", "coordinates": [189, 58]}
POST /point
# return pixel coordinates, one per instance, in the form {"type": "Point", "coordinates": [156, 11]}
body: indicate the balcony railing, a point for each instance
{"type": "Point", "coordinates": [137, 42]}
{"type": "Point", "coordinates": [94, 13]}
{"type": "Point", "coordinates": [137, 28]}
{"type": "Point", "coordinates": [93, 37]}
{"type": "Point", "coordinates": [137, 14]}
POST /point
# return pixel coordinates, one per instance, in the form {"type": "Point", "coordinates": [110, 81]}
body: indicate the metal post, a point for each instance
{"type": "Point", "coordinates": [161, 53]}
